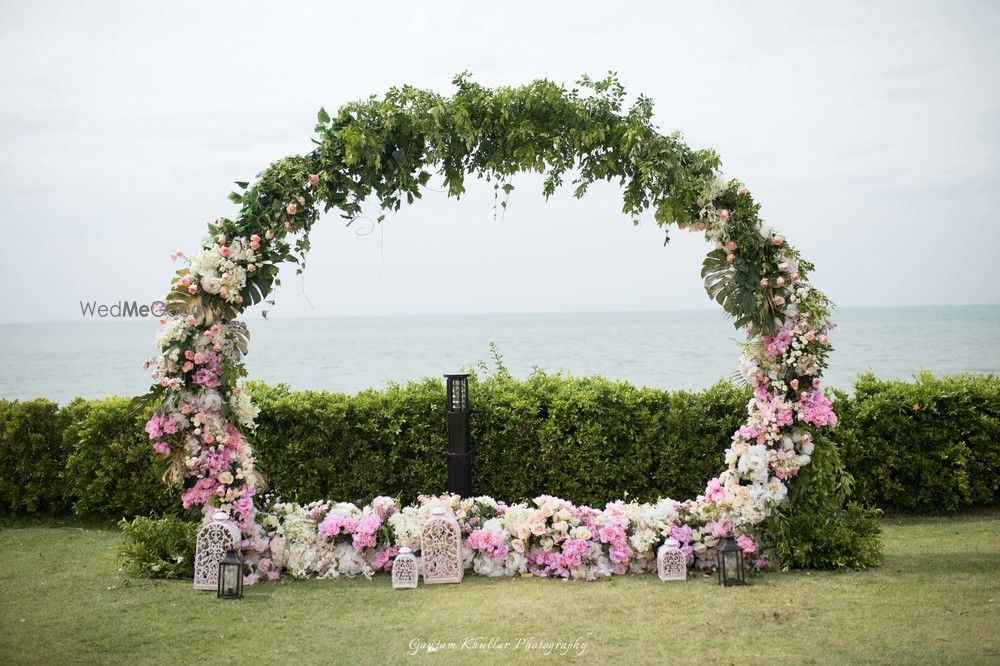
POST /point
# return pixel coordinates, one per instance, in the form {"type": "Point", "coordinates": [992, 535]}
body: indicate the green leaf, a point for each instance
{"type": "Point", "coordinates": [323, 116]}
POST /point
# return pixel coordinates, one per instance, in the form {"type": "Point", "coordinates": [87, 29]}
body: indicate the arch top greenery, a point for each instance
{"type": "Point", "coordinates": [387, 149]}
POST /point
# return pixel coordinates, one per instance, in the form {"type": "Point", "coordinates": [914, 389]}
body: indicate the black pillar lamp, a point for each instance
{"type": "Point", "coordinates": [730, 564]}
{"type": "Point", "coordinates": [231, 576]}
{"type": "Point", "coordinates": [459, 473]}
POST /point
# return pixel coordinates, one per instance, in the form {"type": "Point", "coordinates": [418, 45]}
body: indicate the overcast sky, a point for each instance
{"type": "Point", "coordinates": [870, 131]}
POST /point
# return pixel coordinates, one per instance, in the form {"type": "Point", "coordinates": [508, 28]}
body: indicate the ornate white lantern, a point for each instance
{"type": "Point", "coordinates": [441, 548]}
{"type": "Point", "coordinates": [670, 561]}
{"type": "Point", "coordinates": [214, 539]}
{"type": "Point", "coordinates": [404, 569]}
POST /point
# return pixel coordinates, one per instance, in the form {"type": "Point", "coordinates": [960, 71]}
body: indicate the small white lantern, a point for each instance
{"type": "Point", "coordinates": [670, 561]}
{"type": "Point", "coordinates": [404, 569]}
{"type": "Point", "coordinates": [214, 539]}
{"type": "Point", "coordinates": [441, 548]}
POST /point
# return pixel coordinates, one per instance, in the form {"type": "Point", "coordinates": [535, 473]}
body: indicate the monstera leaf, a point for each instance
{"type": "Point", "coordinates": [258, 284]}
{"type": "Point", "coordinates": [241, 336]}
{"type": "Point", "coordinates": [736, 287]}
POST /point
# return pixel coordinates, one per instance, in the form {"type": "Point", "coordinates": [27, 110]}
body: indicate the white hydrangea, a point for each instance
{"type": "Point", "coordinates": [243, 408]}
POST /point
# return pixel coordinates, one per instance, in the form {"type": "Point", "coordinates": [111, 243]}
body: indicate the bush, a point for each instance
{"type": "Point", "coordinates": [588, 440]}
{"type": "Point", "coordinates": [113, 470]}
{"type": "Point", "coordinates": [932, 445]}
{"type": "Point", "coordinates": [819, 528]}
{"type": "Point", "coordinates": [158, 548]}
{"type": "Point", "coordinates": [32, 456]}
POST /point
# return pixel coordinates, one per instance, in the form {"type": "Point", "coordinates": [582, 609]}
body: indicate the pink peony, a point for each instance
{"type": "Point", "coordinates": [747, 544]}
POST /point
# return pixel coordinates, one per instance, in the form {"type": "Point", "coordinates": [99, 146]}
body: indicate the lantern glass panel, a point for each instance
{"type": "Point", "coordinates": [458, 392]}
{"type": "Point", "coordinates": [730, 563]}
{"type": "Point", "coordinates": [231, 576]}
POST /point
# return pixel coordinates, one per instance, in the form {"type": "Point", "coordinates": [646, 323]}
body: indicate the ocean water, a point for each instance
{"type": "Point", "coordinates": [689, 350]}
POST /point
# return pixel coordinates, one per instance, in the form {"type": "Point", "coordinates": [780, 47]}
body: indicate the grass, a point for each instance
{"type": "Point", "coordinates": [935, 599]}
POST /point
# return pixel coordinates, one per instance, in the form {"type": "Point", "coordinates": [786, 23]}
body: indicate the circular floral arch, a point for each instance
{"type": "Point", "coordinates": [384, 150]}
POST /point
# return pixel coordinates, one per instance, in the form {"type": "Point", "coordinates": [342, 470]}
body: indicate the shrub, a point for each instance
{"type": "Point", "coordinates": [932, 445]}
{"type": "Point", "coordinates": [819, 527]}
{"type": "Point", "coordinates": [158, 548]}
{"type": "Point", "coordinates": [32, 456]}
{"type": "Point", "coordinates": [112, 470]}
{"type": "Point", "coordinates": [929, 445]}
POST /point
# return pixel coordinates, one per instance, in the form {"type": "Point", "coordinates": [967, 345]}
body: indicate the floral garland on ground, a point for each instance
{"type": "Point", "coordinates": [379, 149]}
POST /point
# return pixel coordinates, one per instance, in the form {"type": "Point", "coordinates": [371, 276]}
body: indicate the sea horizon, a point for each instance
{"type": "Point", "coordinates": [668, 349]}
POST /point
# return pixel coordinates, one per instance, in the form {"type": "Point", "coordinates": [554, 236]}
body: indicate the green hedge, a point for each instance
{"type": "Point", "coordinates": [928, 446]}
{"type": "Point", "coordinates": [932, 445]}
{"type": "Point", "coordinates": [32, 456]}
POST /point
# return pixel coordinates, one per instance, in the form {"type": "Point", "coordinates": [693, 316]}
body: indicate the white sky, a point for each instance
{"type": "Point", "coordinates": [871, 132]}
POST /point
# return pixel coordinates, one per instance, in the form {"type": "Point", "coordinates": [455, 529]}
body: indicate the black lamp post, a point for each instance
{"type": "Point", "coordinates": [731, 570]}
{"type": "Point", "coordinates": [231, 576]}
{"type": "Point", "coordinates": [459, 472]}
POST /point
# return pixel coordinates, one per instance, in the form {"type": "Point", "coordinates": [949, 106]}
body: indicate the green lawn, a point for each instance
{"type": "Point", "coordinates": [64, 599]}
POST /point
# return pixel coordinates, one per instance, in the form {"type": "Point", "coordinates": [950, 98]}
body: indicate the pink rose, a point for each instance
{"type": "Point", "coordinates": [224, 251]}
{"type": "Point", "coordinates": [313, 179]}
{"type": "Point", "coordinates": [723, 214]}
{"type": "Point", "coordinates": [764, 283]}
{"type": "Point", "coordinates": [747, 544]}
{"type": "Point", "coordinates": [778, 239]}
{"type": "Point", "coordinates": [291, 209]}
{"type": "Point", "coordinates": [783, 267]}
{"type": "Point", "coordinates": [730, 258]}
{"type": "Point", "coordinates": [780, 281]}
{"type": "Point", "coordinates": [174, 255]}
{"type": "Point", "coordinates": [794, 384]}
{"type": "Point", "coordinates": [742, 189]}
{"type": "Point", "coordinates": [731, 246]}
{"type": "Point", "coordinates": [221, 239]}
{"type": "Point", "coordinates": [779, 301]}
{"type": "Point", "coordinates": [193, 289]}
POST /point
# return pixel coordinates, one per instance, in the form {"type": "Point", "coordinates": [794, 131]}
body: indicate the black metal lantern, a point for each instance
{"type": "Point", "coordinates": [457, 406]}
{"type": "Point", "coordinates": [231, 575]}
{"type": "Point", "coordinates": [731, 569]}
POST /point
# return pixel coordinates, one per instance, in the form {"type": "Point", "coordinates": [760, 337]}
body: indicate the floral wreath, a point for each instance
{"type": "Point", "coordinates": [381, 149]}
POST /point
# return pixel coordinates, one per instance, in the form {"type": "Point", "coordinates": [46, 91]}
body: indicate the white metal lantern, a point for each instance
{"type": "Point", "coordinates": [214, 539]}
{"type": "Point", "coordinates": [670, 561]}
{"type": "Point", "coordinates": [441, 548]}
{"type": "Point", "coordinates": [404, 569]}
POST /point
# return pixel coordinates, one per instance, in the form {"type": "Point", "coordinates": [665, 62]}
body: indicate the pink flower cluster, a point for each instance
{"type": "Point", "coordinates": [815, 408]}
{"type": "Point", "coordinates": [489, 542]}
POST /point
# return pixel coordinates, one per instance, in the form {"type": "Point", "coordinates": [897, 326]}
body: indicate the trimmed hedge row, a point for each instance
{"type": "Point", "coordinates": [928, 446]}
